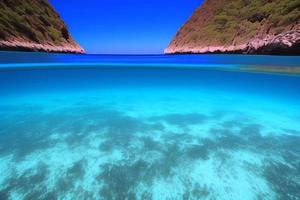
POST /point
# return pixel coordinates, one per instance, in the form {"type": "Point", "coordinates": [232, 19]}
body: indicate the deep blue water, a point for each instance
{"type": "Point", "coordinates": [148, 127]}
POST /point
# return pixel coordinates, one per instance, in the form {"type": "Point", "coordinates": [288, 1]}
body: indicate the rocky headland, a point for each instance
{"type": "Point", "coordinates": [33, 25]}
{"type": "Point", "coordinates": [239, 26]}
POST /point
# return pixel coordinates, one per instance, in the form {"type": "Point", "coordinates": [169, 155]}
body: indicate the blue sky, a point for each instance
{"type": "Point", "coordinates": [124, 26]}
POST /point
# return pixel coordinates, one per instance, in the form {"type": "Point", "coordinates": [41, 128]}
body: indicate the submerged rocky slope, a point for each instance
{"type": "Point", "coordinates": [33, 25]}
{"type": "Point", "coordinates": [241, 26]}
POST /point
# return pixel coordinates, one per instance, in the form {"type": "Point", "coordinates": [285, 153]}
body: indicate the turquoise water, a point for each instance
{"type": "Point", "coordinates": [148, 127]}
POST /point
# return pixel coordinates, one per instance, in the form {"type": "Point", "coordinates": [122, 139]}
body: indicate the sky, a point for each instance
{"type": "Point", "coordinates": [124, 26]}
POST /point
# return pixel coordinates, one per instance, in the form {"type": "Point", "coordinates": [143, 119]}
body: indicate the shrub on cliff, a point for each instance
{"type": "Point", "coordinates": [236, 21]}
{"type": "Point", "coordinates": [32, 20]}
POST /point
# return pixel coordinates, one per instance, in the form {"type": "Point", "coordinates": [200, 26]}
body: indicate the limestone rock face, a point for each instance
{"type": "Point", "coordinates": [240, 26]}
{"type": "Point", "coordinates": [33, 25]}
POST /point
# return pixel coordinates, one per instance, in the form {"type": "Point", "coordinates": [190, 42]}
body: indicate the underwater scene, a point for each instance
{"type": "Point", "coordinates": [149, 127]}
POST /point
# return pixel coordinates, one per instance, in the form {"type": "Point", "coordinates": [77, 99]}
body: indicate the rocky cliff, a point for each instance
{"type": "Point", "coordinates": [33, 25]}
{"type": "Point", "coordinates": [241, 26]}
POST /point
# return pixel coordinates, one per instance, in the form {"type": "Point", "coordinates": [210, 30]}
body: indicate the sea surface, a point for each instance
{"type": "Point", "coordinates": [149, 127]}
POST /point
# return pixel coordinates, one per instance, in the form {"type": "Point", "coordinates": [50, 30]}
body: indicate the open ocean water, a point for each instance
{"type": "Point", "coordinates": [149, 127]}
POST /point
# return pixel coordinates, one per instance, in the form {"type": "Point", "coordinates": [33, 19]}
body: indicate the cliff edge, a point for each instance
{"type": "Point", "coordinates": [33, 25]}
{"type": "Point", "coordinates": [241, 26]}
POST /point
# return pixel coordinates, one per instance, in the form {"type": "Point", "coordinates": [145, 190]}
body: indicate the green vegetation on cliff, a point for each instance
{"type": "Point", "coordinates": [230, 22]}
{"type": "Point", "coordinates": [244, 17]}
{"type": "Point", "coordinates": [33, 21]}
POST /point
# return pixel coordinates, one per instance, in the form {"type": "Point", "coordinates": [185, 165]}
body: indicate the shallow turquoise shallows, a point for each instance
{"type": "Point", "coordinates": [149, 127]}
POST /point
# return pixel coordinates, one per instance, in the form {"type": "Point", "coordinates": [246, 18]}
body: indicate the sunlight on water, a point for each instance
{"type": "Point", "coordinates": [149, 139]}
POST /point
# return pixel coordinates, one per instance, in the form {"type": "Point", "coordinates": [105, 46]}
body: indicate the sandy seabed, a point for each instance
{"type": "Point", "coordinates": [149, 144]}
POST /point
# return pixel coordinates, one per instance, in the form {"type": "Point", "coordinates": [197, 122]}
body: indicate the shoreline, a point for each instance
{"type": "Point", "coordinates": [287, 43]}
{"type": "Point", "coordinates": [24, 46]}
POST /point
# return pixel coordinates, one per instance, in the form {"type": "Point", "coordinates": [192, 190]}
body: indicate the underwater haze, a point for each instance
{"type": "Point", "coordinates": [149, 127]}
